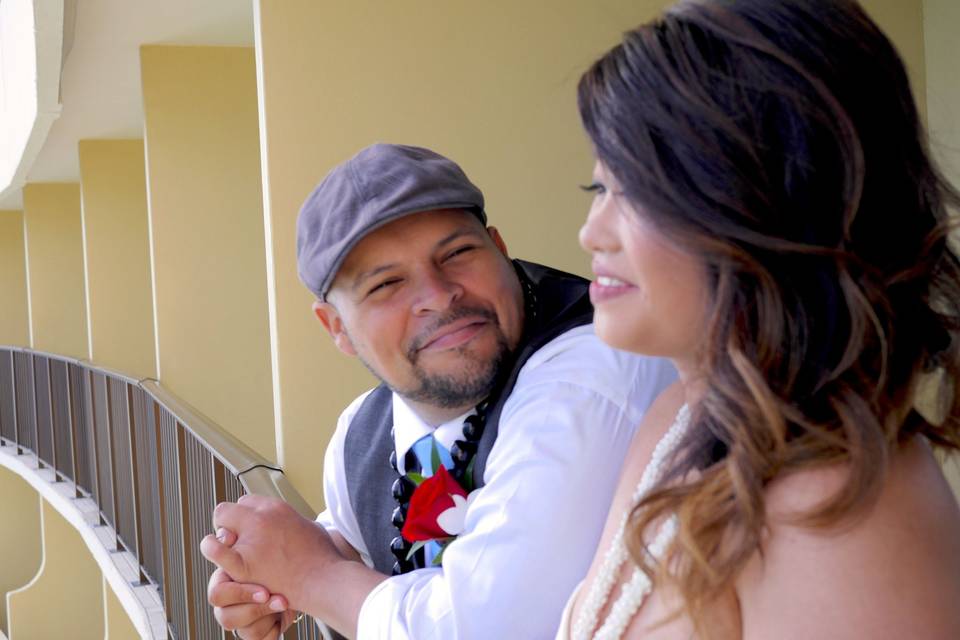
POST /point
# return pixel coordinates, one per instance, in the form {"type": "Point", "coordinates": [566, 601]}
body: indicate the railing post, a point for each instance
{"type": "Point", "coordinates": [113, 465]}
{"type": "Point", "coordinates": [16, 413]}
{"type": "Point", "coordinates": [74, 429]}
{"type": "Point", "coordinates": [96, 445]}
{"type": "Point", "coordinates": [135, 480]}
{"type": "Point", "coordinates": [53, 422]}
{"type": "Point", "coordinates": [219, 473]}
{"type": "Point", "coordinates": [185, 527]}
{"type": "Point", "coordinates": [219, 481]}
{"type": "Point", "coordinates": [36, 411]}
{"type": "Point", "coordinates": [166, 579]}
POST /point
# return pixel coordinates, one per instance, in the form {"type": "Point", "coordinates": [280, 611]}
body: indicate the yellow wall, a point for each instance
{"type": "Point", "coordinates": [65, 600]}
{"type": "Point", "coordinates": [119, 289]}
{"type": "Point", "coordinates": [902, 21]}
{"type": "Point", "coordinates": [19, 537]}
{"type": "Point", "coordinates": [941, 22]}
{"type": "Point", "coordinates": [14, 321]}
{"type": "Point", "coordinates": [55, 256]}
{"type": "Point", "coordinates": [118, 624]}
{"type": "Point", "coordinates": [203, 173]}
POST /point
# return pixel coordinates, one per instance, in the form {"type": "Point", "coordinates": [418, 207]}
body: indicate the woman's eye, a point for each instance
{"type": "Point", "coordinates": [595, 188]}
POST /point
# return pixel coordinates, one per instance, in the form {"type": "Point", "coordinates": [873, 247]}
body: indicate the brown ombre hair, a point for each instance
{"type": "Point", "coordinates": [779, 143]}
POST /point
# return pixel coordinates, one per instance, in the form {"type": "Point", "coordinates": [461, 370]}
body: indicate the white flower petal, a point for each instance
{"type": "Point", "coordinates": [453, 518]}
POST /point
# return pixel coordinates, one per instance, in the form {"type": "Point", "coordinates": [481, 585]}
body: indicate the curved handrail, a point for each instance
{"type": "Point", "coordinates": [154, 465]}
{"type": "Point", "coordinates": [235, 455]}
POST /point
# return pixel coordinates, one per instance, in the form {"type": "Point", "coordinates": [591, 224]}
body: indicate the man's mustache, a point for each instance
{"type": "Point", "coordinates": [452, 316]}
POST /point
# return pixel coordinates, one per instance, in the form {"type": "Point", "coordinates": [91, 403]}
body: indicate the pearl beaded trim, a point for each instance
{"type": "Point", "coordinates": [639, 586]}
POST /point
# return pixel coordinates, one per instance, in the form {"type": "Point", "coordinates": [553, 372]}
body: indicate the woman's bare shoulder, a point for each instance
{"type": "Point", "coordinates": [890, 571]}
{"type": "Point", "coordinates": [656, 421]}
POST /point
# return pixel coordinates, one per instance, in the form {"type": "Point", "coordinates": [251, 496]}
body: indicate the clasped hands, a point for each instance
{"type": "Point", "coordinates": [263, 548]}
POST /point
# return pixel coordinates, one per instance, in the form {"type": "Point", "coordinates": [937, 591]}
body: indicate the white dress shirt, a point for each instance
{"type": "Point", "coordinates": [532, 531]}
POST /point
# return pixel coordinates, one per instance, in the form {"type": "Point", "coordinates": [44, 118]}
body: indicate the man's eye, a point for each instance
{"type": "Point", "coordinates": [383, 285]}
{"type": "Point", "coordinates": [458, 252]}
{"type": "Point", "coordinates": [595, 188]}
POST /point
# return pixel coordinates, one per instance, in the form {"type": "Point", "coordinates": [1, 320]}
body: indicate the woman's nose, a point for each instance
{"type": "Point", "coordinates": [595, 234]}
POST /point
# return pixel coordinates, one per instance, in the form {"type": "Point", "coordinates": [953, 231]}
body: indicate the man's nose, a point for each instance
{"type": "Point", "coordinates": [436, 292]}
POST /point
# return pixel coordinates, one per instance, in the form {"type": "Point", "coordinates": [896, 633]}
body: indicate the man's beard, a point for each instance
{"type": "Point", "coordinates": [474, 382]}
{"type": "Point", "coordinates": [477, 375]}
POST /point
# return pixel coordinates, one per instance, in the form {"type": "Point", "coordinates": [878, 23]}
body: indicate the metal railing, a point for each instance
{"type": "Point", "coordinates": [153, 465]}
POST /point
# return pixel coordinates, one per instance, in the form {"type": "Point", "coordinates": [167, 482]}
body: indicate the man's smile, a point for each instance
{"type": "Point", "coordinates": [455, 334]}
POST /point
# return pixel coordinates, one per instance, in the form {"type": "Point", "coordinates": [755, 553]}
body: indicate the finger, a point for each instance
{"type": "Point", "coordinates": [230, 515]}
{"type": "Point", "coordinates": [223, 556]}
{"type": "Point", "coordinates": [248, 499]}
{"type": "Point", "coordinates": [256, 619]}
{"type": "Point", "coordinates": [226, 536]}
{"type": "Point", "coordinates": [229, 593]}
{"type": "Point", "coordinates": [218, 576]}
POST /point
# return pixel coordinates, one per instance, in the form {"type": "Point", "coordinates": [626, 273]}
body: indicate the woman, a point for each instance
{"type": "Point", "coordinates": [767, 216]}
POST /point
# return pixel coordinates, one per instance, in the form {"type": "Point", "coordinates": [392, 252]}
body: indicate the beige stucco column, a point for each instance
{"type": "Point", "coordinates": [116, 620]}
{"type": "Point", "coordinates": [14, 321]}
{"type": "Point", "coordinates": [65, 599]}
{"type": "Point", "coordinates": [55, 268]}
{"type": "Point", "coordinates": [117, 250]}
{"type": "Point", "coordinates": [207, 234]}
{"type": "Point", "coordinates": [902, 21]}
{"type": "Point", "coordinates": [19, 537]}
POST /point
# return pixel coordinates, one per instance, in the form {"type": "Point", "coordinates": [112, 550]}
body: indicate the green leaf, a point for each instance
{"type": "Point", "coordinates": [419, 544]}
{"type": "Point", "coordinates": [468, 475]}
{"type": "Point", "coordinates": [416, 478]}
{"type": "Point", "coordinates": [435, 456]}
{"type": "Point", "coordinates": [438, 559]}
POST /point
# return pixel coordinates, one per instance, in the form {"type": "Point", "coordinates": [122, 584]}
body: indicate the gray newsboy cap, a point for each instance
{"type": "Point", "coordinates": [378, 185]}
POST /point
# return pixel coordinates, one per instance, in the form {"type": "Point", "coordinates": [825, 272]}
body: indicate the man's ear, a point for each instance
{"type": "Point", "coordinates": [330, 319]}
{"type": "Point", "coordinates": [498, 240]}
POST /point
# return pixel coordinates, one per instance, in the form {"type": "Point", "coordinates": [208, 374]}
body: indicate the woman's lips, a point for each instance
{"type": "Point", "coordinates": [607, 287]}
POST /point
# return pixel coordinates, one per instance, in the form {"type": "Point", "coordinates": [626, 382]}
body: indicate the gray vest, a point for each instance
{"type": "Point", "coordinates": [561, 303]}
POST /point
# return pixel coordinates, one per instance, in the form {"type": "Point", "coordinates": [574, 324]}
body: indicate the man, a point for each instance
{"type": "Point", "coordinates": [491, 378]}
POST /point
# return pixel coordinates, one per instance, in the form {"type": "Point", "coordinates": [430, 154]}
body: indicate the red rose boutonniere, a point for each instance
{"type": "Point", "coordinates": [437, 511]}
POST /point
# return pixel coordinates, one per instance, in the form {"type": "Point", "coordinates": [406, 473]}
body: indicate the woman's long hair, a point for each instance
{"type": "Point", "coordinates": [780, 144]}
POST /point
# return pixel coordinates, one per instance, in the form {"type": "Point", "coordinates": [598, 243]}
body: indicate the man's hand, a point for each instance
{"type": "Point", "coordinates": [285, 553]}
{"type": "Point", "coordinates": [248, 609]}
{"type": "Point", "coordinates": [275, 547]}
